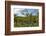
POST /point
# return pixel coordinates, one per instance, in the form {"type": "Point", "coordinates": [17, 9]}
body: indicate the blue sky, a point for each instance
{"type": "Point", "coordinates": [18, 11]}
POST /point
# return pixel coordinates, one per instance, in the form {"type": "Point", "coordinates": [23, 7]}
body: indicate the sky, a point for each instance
{"type": "Point", "coordinates": [18, 11]}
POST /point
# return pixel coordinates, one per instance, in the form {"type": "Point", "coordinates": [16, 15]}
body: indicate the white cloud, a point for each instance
{"type": "Point", "coordinates": [17, 11]}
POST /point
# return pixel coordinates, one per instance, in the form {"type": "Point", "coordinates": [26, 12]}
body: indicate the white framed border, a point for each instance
{"type": "Point", "coordinates": [25, 28]}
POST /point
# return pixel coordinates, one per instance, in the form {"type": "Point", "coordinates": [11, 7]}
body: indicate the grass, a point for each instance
{"type": "Point", "coordinates": [26, 25]}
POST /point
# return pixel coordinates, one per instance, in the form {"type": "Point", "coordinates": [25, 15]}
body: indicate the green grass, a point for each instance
{"type": "Point", "coordinates": [26, 25]}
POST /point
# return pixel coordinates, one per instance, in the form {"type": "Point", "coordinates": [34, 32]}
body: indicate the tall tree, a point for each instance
{"type": "Point", "coordinates": [26, 13]}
